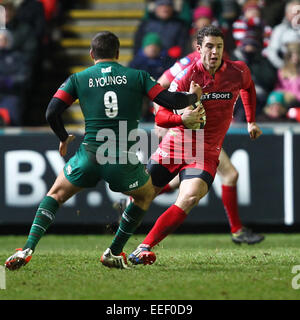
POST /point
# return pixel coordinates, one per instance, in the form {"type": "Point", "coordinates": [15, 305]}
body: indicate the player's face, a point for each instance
{"type": "Point", "coordinates": [211, 52]}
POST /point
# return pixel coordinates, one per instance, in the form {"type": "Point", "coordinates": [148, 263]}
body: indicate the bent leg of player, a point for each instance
{"type": "Point", "coordinates": [171, 186]}
{"type": "Point", "coordinates": [229, 176]}
{"type": "Point", "coordinates": [60, 192]}
{"type": "Point", "coordinates": [124, 202]}
{"type": "Point", "coordinates": [130, 220]}
{"type": "Point", "coordinates": [191, 190]}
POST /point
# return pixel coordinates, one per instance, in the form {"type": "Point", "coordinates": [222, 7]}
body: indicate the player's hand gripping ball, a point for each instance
{"type": "Point", "coordinates": [193, 117]}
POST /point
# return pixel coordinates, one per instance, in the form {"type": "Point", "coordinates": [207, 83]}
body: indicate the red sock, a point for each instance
{"type": "Point", "coordinates": [166, 189]}
{"type": "Point", "coordinates": [229, 198]}
{"type": "Point", "coordinates": [167, 223]}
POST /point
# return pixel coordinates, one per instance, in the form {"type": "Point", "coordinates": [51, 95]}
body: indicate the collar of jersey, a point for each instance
{"type": "Point", "coordinates": [221, 69]}
{"type": "Point", "coordinates": [105, 62]}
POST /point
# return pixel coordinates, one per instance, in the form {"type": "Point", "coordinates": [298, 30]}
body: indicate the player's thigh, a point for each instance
{"type": "Point", "coordinates": [174, 183]}
{"type": "Point", "coordinates": [125, 177]}
{"type": "Point", "coordinates": [226, 170]}
{"type": "Point", "coordinates": [82, 170]}
{"type": "Point", "coordinates": [190, 193]}
{"type": "Point", "coordinates": [161, 174]}
{"type": "Point", "coordinates": [62, 189]}
{"type": "Point", "coordinates": [143, 195]}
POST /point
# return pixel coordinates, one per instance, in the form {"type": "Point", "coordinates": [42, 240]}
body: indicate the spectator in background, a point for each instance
{"type": "Point", "coordinates": [182, 9]}
{"type": "Point", "coordinates": [284, 33]}
{"type": "Point", "coordinates": [151, 57]}
{"type": "Point", "coordinates": [14, 77]}
{"type": "Point", "coordinates": [173, 32]}
{"type": "Point", "coordinates": [225, 11]}
{"type": "Point", "coordinates": [289, 75]}
{"type": "Point", "coordinates": [275, 109]}
{"type": "Point", "coordinates": [273, 11]}
{"type": "Point", "coordinates": [32, 13]}
{"type": "Point", "coordinates": [24, 39]}
{"type": "Point", "coordinates": [286, 95]}
{"type": "Point", "coordinates": [263, 73]}
{"type": "Point", "coordinates": [51, 9]}
{"type": "Point", "coordinates": [250, 20]}
{"type": "Point", "coordinates": [202, 17]}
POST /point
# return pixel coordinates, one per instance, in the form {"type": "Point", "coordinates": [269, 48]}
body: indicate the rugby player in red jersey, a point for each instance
{"type": "Point", "coordinates": [226, 170]}
{"type": "Point", "coordinates": [222, 81]}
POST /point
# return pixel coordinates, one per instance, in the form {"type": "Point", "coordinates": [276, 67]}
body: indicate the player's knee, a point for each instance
{"type": "Point", "coordinates": [231, 177]}
{"type": "Point", "coordinates": [189, 201]}
{"type": "Point", "coordinates": [144, 200]}
{"type": "Point", "coordinates": [143, 203]}
{"type": "Point", "coordinates": [58, 196]}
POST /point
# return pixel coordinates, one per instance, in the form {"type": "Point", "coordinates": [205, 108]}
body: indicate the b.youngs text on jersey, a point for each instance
{"type": "Point", "coordinates": [106, 81]}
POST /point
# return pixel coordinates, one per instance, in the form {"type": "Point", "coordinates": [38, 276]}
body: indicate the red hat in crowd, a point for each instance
{"type": "Point", "coordinates": [202, 12]}
{"type": "Point", "coordinates": [251, 4]}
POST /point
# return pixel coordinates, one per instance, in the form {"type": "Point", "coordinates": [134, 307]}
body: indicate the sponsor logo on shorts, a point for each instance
{"type": "Point", "coordinates": [69, 169]}
{"type": "Point", "coordinates": [134, 185]}
{"type": "Point", "coordinates": [216, 96]}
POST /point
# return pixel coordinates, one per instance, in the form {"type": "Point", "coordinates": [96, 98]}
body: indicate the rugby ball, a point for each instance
{"type": "Point", "coordinates": [196, 126]}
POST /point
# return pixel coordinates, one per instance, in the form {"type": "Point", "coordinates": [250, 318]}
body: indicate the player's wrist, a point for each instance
{"type": "Point", "coordinates": [251, 123]}
{"type": "Point", "coordinates": [63, 137]}
{"type": "Point", "coordinates": [177, 119]}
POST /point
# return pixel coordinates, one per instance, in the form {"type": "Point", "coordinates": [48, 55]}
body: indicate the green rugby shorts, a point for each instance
{"type": "Point", "coordinates": [84, 171]}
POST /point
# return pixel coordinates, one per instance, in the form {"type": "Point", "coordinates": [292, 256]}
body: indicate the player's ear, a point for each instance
{"type": "Point", "coordinates": [91, 54]}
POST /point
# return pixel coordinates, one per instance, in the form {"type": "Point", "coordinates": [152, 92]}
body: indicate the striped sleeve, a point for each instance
{"type": "Point", "coordinates": [67, 91]}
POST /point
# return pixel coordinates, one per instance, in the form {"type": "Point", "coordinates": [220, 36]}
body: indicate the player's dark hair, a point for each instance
{"type": "Point", "coordinates": [105, 45]}
{"type": "Point", "coordinates": [208, 31]}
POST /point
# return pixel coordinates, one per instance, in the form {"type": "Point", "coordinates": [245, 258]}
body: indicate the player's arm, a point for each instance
{"type": "Point", "coordinates": [248, 96]}
{"type": "Point", "coordinates": [165, 118]}
{"type": "Point", "coordinates": [164, 82]}
{"type": "Point", "coordinates": [190, 115]}
{"type": "Point", "coordinates": [58, 104]}
{"type": "Point", "coordinates": [175, 100]}
{"type": "Point", "coordinates": [53, 116]}
{"type": "Point", "coordinates": [62, 99]}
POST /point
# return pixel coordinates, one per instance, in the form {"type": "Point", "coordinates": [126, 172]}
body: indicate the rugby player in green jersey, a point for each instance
{"type": "Point", "coordinates": [109, 95]}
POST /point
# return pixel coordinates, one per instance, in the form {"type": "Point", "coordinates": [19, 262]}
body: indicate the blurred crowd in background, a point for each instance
{"type": "Point", "coordinates": [263, 33]}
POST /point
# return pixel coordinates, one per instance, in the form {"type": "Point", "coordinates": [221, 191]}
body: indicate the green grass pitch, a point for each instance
{"type": "Point", "coordinates": [188, 267]}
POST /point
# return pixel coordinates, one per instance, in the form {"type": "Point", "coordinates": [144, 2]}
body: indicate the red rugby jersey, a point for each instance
{"type": "Point", "coordinates": [220, 93]}
{"type": "Point", "coordinates": [181, 64]}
